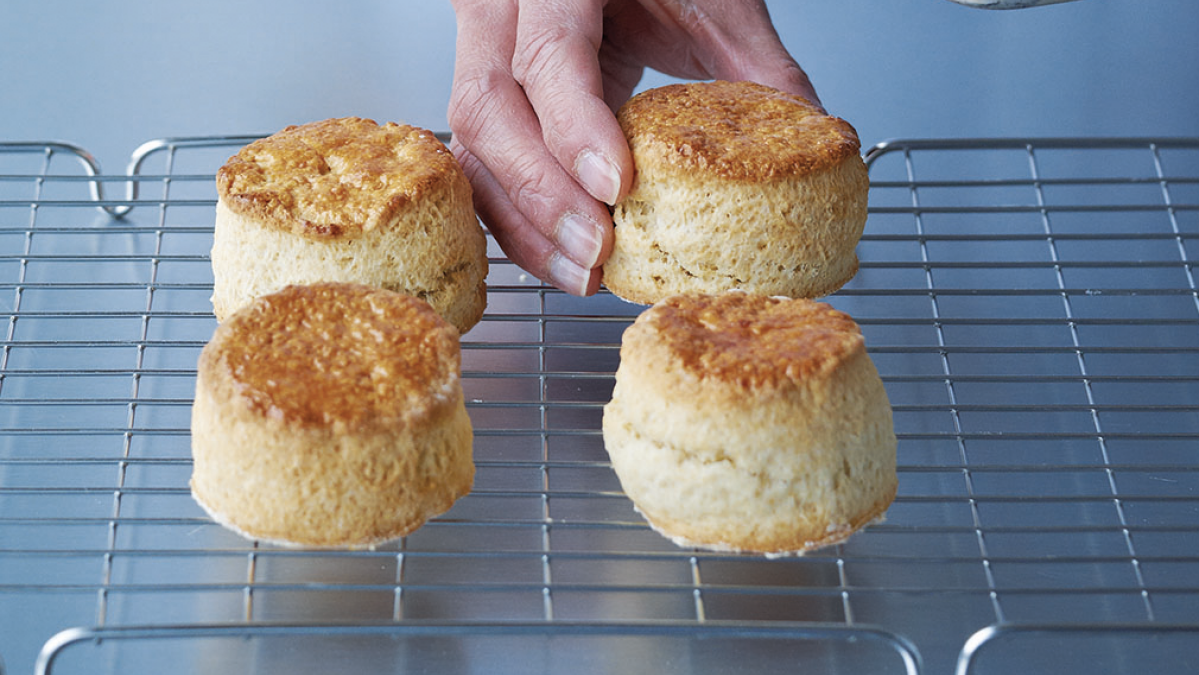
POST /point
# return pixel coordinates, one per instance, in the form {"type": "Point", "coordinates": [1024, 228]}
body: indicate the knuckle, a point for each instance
{"type": "Point", "coordinates": [536, 52]}
{"type": "Point", "coordinates": [529, 190]}
{"type": "Point", "coordinates": [473, 102]}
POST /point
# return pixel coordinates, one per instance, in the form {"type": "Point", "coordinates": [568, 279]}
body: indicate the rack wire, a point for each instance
{"type": "Point", "coordinates": [1031, 305]}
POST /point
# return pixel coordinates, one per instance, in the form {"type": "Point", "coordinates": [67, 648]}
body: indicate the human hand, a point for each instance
{"type": "Point", "coordinates": [535, 86]}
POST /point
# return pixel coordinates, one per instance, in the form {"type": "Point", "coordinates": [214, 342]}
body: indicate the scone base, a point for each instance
{"type": "Point", "coordinates": [225, 522]}
{"type": "Point", "coordinates": [801, 544]}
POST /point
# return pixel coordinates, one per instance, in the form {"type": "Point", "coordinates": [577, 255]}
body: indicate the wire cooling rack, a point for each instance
{"type": "Point", "coordinates": [1030, 304]}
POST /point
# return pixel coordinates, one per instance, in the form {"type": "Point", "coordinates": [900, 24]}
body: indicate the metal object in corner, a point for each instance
{"type": "Point", "coordinates": [1008, 4]}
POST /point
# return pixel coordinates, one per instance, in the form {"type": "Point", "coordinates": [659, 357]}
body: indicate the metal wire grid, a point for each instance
{"type": "Point", "coordinates": [1031, 306]}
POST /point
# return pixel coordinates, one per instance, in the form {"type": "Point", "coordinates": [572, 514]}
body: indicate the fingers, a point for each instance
{"type": "Point", "coordinates": [744, 44]}
{"type": "Point", "coordinates": [717, 39]}
{"type": "Point", "coordinates": [752, 49]}
{"type": "Point", "coordinates": [535, 83]}
{"type": "Point", "coordinates": [556, 61]}
{"type": "Point", "coordinates": [527, 194]}
{"type": "Point", "coordinates": [522, 242]}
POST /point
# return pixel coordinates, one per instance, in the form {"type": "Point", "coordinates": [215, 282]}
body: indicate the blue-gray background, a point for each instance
{"type": "Point", "coordinates": [111, 75]}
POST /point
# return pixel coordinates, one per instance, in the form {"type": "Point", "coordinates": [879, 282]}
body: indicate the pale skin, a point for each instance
{"type": "Point", "coordinates": [536, 84]}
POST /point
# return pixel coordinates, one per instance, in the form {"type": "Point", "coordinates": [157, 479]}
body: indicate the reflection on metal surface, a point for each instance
{"type": "Point", "coordinates": [460, 648]}
{"type": "Point", "coordinates": [1172, 649]}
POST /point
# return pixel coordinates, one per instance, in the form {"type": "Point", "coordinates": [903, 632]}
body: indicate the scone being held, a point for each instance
{"type": "Point", "coordinates": [349, 200]}
{"type": "Point", "coordinates": [330, 415]}
{"type": "Point", "coordinates": [750, 423]}
{"type": "Point", "coordinates": [737, 186]}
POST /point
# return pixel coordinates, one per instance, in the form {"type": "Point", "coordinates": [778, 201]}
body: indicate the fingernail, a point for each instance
{"type": "Point", "coordinates": [579, 238]}
{"type": "Point", "coordinates": [568, 275]}
{"type": "Point", "coordinates": [599, 176]}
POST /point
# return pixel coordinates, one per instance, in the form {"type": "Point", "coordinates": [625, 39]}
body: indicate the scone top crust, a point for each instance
{"type": "Point", "coordinates": [742, 343]}
{"type": "Point", "coordinates": [740, 131]}
{"type": "Point", "coordinates": [335, 178]}
{"type": "Point", "coordinates": [336, 356]}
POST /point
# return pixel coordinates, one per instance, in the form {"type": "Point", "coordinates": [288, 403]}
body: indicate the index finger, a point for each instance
{"type": "Point", "coordinates": [556, 61]}
{"type": "Point", "coordinates": [521, 191]}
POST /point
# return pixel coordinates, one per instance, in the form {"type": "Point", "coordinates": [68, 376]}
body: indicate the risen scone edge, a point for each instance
{"type": "Point", "coordinates": [737, 461]}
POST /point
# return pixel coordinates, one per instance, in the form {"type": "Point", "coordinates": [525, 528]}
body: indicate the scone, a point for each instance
{"type": "Point", "coordinates": [349, 200]}
{"type": "Point", "coordinates": [750, 423]}
{"type": "Point", "coordinates": [330, 415]}
{"type": "Point", "coordinates": [737, 186]}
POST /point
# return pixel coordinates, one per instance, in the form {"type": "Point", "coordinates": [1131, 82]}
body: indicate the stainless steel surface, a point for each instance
{"type": "Point", "coordinates": [1030, 304]}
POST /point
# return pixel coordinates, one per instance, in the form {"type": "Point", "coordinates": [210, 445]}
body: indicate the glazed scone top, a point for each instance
{"type": "Point", "coordinates": [734, 130]}
{"type": "Point", "coordinates": [335, 178]}
{"type": "Point", "coordinates": [742, 343]}
{"type": "Point", "coordinates": [337, 356]}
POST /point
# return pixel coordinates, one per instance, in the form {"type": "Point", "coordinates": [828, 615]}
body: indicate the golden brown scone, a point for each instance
{"type": "Point", "coordinates": [330, 415]}
{"type": "Point", "coordinates": [737, 186]}
{"type": "Point", "coordinates": [748, 423]}
{"type": "Point", "coordinates": [349, 200]}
